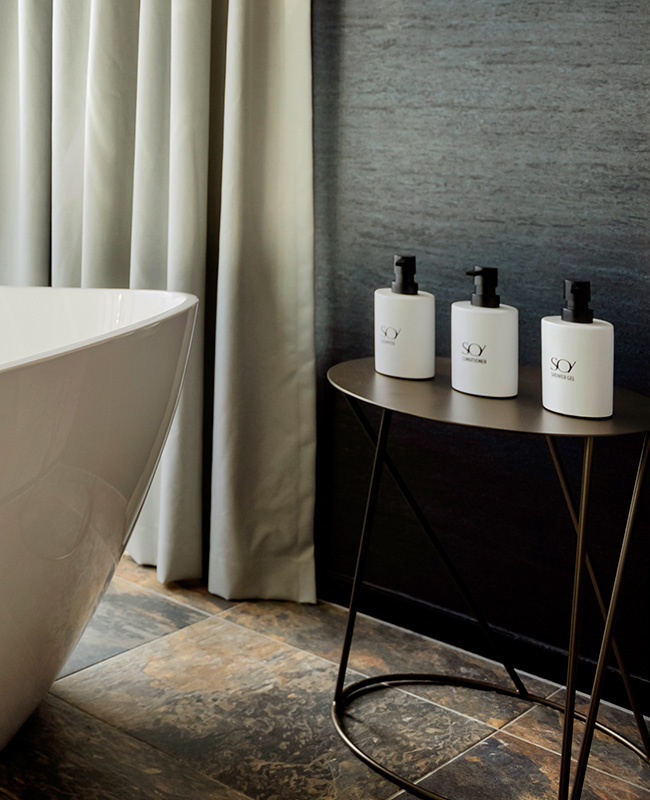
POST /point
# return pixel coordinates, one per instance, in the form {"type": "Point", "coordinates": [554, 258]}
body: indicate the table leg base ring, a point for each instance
{"type": "Point", "coordinates": [399, 679]}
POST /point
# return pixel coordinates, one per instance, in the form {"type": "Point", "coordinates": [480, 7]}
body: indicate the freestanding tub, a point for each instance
{"type": "Point", "coordinates": [89, 380]}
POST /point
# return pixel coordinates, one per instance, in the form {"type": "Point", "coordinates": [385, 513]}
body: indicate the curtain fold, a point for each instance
{"type": "Point", "coordinates": [104, 156]}
{"type": "Point", "coordinates": [263, 481]}
{"type": "Point", "coordinates": [25, 144]}
{"type": "Point", "coordinates": [179, 119]}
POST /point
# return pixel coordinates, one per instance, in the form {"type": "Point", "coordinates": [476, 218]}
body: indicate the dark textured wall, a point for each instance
{"type": "Point", "coordinates": [508, 134]}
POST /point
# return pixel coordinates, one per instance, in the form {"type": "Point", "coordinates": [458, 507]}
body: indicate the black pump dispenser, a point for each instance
{"type": "Point", "coordinates": [576, 302]}
{"type": "Point", "coordinates": [404, 282]}
{"type": "Point", "coordinates": [485, 284]}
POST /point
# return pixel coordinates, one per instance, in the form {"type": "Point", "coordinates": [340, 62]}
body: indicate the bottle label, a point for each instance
{"type": "Point", "coordinates": [389, 334]}
{"type": "Point", "coordinates": [562, 368]}
{"type": "Point", "coordinates": [472, 351]}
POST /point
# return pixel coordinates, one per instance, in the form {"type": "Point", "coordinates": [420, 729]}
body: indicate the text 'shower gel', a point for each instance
{"type": "Point", "coordinates": [578, 358]}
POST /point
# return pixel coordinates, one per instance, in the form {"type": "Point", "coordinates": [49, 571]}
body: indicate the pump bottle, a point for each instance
{"type": "Point", "coordinates": [484, 340]}
{"type": "Point", "coordinates": [405, 326]}
{"type": "Point", "coordinates": [578, 358]}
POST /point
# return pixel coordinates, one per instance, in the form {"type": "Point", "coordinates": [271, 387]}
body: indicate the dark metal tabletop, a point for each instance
{"type": "Point", "coordinates": [436, 400]}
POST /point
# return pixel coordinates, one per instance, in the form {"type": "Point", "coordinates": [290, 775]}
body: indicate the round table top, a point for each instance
{"type": "Point", "coordinates": [436, 400]}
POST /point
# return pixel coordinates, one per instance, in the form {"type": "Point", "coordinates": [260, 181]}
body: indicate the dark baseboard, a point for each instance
{"type": "Point", "coordinates": [459, 630]}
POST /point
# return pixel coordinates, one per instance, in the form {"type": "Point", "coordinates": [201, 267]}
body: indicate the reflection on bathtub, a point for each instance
{"type": "Point", "coordinates": [85, 408]}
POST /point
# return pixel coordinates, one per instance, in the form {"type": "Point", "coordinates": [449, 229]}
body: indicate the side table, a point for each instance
{"type": "Point", "coordinates": [435, 400]}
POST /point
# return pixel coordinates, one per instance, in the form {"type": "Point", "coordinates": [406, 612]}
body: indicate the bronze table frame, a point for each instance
{"type": "Point", "coordinates": [435, 400]}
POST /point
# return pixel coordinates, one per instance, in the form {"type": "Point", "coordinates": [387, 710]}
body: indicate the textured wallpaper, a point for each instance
{"type": "Point", "coordinates": [505, 134]}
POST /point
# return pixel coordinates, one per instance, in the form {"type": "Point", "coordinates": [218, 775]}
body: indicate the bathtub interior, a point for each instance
{"type": "Point", "coordinates": [35, 321]}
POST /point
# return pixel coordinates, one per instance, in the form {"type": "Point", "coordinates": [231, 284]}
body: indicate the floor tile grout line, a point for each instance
{"type": "Point", "coordinates": [439, 705]}
{"type": "Point", "coordinates": [553, 687]}
{"type": "Point", "coordinates": [173, 599]}
{"type": "Point", "coordinates": [557, 753]}
{"type": "Point", "coordinates": [278, 642]}
{"type": "Point", "coordinates": [363, 675]}
{"type": "Point", "coordinates": [592, 768]}
{"type": "Point", "coordinates": [327, 661]}
{"type": "Point", "coordinates": [367, 675]}
{"type": "Point", "coordinates": [462, 753]}
{"type": "Point", "coordinates": [557, 687]}
{"type": "Point", "coordinates": [185, 764]}
{"type": "Point", "coordinates": [477, 744]}
{"type": "Point", "coordinates": [503, 729]}
{"type": "Point", "coordinates": [137, 647]}
{"type": "Point", "coordinates": [219, 615]}
{"type": "Point", "coordinates": [601, 720]}
{"type": "Point", "coordinates": [290, 646]}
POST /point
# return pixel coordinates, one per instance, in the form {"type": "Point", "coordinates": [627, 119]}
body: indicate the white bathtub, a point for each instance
{"type": "Point", "coordinates": [89, 380]}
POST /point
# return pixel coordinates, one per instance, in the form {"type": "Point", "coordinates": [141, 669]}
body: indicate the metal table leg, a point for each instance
{"type": "Point", "coordinates": [625, 676]}
{"type": "Point", "coordinates": [576, 616]}
{"type": "Point", "coordinates": [441, 554]}
{"type": "Point", "coordinates": [608, 635]}
{"type": "Point", "coordinates": [343, 695]}
{"type": "Point", "coordinates": [371, 505]}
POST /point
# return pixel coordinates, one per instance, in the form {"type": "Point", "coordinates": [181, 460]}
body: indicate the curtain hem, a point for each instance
{"type": "Point", "coordinates": [277, 579]}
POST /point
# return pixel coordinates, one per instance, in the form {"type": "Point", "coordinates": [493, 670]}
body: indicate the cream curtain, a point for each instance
{"type": "Point", "coordinates": [263, 482]}
{"type": "Point", "coordinates": [104, 157]}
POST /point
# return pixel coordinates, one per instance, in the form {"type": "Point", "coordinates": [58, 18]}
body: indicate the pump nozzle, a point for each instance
{"type": "Point", "coordinates": [576, 302]}
{"type": "Point", "coordinates": [404, 282]}
{"type": "Point", "coordinates": [485, 284]}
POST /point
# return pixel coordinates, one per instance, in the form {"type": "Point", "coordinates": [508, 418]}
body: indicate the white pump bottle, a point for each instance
{"type": "Point", "coordinates": [484, 340]}
{"type": "Point", "coordinates": [405, 326]}
{"type": "Point", "coordinates": [578, 358]}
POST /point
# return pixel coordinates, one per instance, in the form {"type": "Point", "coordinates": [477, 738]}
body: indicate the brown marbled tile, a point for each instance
{"type": "Point", "coordinates": [193, 593]}
{"type": "Point", "coordinates": [254, 714]}
{"type": "Point", "coordinates": [62, 753]}
{"type": "Point", "coordinates": [543, 726]}
{"type": "Point", "coordinates": [378, 648]}
{"type": "Point", "coordinates": [505, 768]}
{"type": "Point", "coordinates": [390, 726]}
{"type": "Point", "coordinates": [127, 616]}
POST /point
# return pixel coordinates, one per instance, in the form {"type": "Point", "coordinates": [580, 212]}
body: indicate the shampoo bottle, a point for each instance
{"type": "Point", "coordinates": [578, 358]}
{"type": "Point", "coordinates": [484, 340]}
{"type": "Point", "coordinates": [405, 326]}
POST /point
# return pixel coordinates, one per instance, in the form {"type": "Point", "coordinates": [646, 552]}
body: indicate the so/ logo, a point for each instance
{"type": "Point", "coordinates": [473, 349]}
{"type": "Point", "coordinates": [562, 368]}
{"type": "Point", "coordinates": [389, 334]}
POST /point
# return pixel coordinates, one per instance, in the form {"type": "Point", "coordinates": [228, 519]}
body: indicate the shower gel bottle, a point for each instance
{"type": "Point", "coordinates": [578, 358]}
{"type": "Point", "coordinates": [405, 326]}
{"type": "Point", "coordinates": [484, 340]}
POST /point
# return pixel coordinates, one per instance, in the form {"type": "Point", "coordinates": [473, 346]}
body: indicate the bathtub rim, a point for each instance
{"type": "Point", "coordinates": [186, 302]}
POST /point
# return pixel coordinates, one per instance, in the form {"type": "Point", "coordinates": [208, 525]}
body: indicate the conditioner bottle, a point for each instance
{"type": "Point", "coordinates": [578, 358]}
{"type": "Point", "coordinates": [405, 326]}
{"type": "Point", "coordinates": [484, 340]}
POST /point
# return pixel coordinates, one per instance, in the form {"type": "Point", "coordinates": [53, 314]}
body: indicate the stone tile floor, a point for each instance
{"type": "Point", "coordinates": [174, 693]}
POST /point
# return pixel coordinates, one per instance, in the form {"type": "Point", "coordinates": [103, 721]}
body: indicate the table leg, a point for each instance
{"type": "Point", "coordinates": [441, 553]}
{"type": "Point", "coordinates": [625, 676]}
{"type": "Point", "coordinates": [371, 505]}
{"type": "Point", "coordinates": [344, 695]}
{"type": "Point", "coordinates": [609, 627]}
{"type": "Point", "coordinates": [572, 667]}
